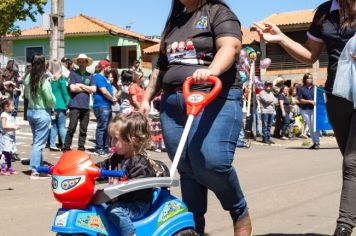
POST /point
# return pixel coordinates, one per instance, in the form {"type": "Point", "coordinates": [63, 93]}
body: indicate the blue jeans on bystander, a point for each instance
{"type": "Point", "coordinates": [40, 120]}
{"type": "Point", "coordinates": [58, 126]}
{"type": "Point", "coordinates": [103, 117]}
{"type": "Point", "coordinates": [267, 120]}
{"type": "Point", "coordinates": [285, 125]}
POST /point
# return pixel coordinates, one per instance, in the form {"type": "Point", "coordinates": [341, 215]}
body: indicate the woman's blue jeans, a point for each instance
{"type": "Point", "coordinates": [58, 127]}
{"type": "Point", "coordinates": [206, 162]}
{"type": "Point", "coordinates": [286, 123]}
{"type": "Point", "coordinates": [40, 120]}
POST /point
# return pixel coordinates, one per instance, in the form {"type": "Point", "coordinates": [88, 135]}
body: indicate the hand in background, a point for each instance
{"type": "Point", "coordinates": [269, 32]}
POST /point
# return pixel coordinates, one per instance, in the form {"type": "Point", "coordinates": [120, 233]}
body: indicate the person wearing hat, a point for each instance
{"type": "Point", "coordinates": [81, 85]}
{"type": "Point", "coordinates": [278, 83]}
{"type": "Point", "coordinates": [267, 101]}
{"type": "Point", "coordinates": [103, 99]}
{"type": "Point", "coordinates": [67, 66]}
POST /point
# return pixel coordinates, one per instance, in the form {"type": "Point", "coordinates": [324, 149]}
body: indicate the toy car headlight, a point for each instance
{"type": "Point", "coordinates": [62, 184]}
{"type": "Point", "coordinates": [54, 183]}
{"type": "Point", "coordinates": [69, 183]}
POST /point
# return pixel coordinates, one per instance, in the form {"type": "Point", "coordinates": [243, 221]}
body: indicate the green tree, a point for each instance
{"type": "Point", "coordinates": [14, 10]}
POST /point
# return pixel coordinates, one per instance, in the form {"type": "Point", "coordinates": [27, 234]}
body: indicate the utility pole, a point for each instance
{"type": "Point", "coordinates": [57, 28]}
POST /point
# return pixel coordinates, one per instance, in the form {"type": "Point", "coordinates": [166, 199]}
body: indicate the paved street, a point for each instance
{"type": "Point", "coordinates": [290, 190]}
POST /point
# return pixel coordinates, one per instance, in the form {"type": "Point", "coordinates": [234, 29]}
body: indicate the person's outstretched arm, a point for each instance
{"type": "Point", "coordinates": [307, 54]}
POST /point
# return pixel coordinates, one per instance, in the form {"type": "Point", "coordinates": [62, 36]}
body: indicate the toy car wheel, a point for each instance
{"type": "Point", "coordinates": [186, 232]}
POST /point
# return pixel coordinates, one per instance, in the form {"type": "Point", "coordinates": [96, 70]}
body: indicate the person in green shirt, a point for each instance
{"type": "Point", "coordinates": [41, 102]}
{"type": "Point", "coordinates": [60, 92]}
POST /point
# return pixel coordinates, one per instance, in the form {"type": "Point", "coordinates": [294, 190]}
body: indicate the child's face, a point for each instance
{"type": "Point", "coordinates": [121, 147]}
{"type": "Point", "coordinates": [9, 107]}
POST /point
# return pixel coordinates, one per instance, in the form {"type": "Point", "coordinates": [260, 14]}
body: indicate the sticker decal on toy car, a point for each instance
{"type": "Point", "coordinates": [171, 209]}
{"type": "Point", "coordinates": [92, 222]}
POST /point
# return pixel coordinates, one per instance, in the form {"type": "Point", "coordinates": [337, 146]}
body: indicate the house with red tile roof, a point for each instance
{"type": "Point", "coordinates": [85, 34]}
{"type": "Point", "coordinates": [295, 25]}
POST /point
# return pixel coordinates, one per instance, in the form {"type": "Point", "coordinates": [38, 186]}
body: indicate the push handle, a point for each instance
{"type": "Point", "coordinates": [196, 101]}
{"type": "Point", "coordinates": [112, 173]}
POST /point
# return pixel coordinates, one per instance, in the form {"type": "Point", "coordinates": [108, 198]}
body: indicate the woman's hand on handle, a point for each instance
{"type": "Point", "coordinates": [269, 32]}
{"type": "Point", "coordinates": [201, 75]}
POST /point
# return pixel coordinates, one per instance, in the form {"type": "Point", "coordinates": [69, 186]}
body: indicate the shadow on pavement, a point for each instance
{"type": "Point", "coordinates": [27, 172]}
{"type": "Point", "coordinates": [91, 140]}
{"type": "Point", "coordinates": [305, 148]}
{"type": "Point", "coordinates": [279, 234]}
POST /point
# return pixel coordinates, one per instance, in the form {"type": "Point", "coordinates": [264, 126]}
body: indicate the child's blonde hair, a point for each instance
{"type": "Point", "coordinates": [132, 128]}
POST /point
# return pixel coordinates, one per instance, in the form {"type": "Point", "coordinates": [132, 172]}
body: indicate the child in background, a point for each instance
{"type": "Point", "coordinates": [130, 136]}
{"type": "Point", "coordinates": [156, 134]}
{"type": "Point", "coordinates": [8, 142]}
{"type": "Point", "coordinates": [155, 125]}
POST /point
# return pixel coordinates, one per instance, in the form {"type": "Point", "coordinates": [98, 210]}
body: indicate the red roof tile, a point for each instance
{"type": "Point", "coordinates": [83, 24]}
{"type": "Point", "coordinates": [152, 49]}
{"type": "Point", "coordinates": [249, 36]}
{"type": "Point", "coordinates": [291, 18]}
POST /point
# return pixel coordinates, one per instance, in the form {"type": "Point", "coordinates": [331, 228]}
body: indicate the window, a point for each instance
{"type": "Point", "coordinates": [123, 56]}
{"type": "Point", "coordinates": [31, 51]}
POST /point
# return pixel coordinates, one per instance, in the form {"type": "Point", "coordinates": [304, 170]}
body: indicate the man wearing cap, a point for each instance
{"type": "Point", "coordinates": [267, 101]}
{"type": "Point", "coordinates": [277, 85]}
{"type": "Point", "coordinates": [81, 85]}
{"type": "Point", "coordinates": [103, 99]}
{"type": "Point", "coordinates": [67, 66]}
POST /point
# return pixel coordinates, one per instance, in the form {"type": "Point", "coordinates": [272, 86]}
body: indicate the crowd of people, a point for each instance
{"type": "Point", "coordinates": [288, 109]}
{"type": "Point", "coordinates": [55, 91]}
{"type": "Point", "coordinates": [193, 45]}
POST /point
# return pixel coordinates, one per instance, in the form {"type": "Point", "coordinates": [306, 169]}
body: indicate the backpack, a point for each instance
{"type": "Point", "coordinates": [345, 79]}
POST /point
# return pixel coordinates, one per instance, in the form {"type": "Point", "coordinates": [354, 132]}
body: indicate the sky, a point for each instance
{"type": "Point", "coordinates": [148, 17]}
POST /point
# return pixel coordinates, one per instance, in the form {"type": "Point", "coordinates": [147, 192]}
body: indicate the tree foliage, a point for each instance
{"type": "Point", "coordinates": [14, 10]}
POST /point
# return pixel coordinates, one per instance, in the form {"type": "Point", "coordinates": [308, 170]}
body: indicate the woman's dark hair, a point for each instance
{"type": "Point", "coordinates": [11, 71]}
{"type": "Point", "coordinates": [177, 9]}
{"type": "Point", "coordinates": [38, 69]}
{"type": "Point", "coordinates": [10, 65]}
{"type": "Point", "coordinates": [347, 12]}
{"type": "Point", "coordinates": [291, 90]}
{"type": "Point", "coordinates": [282, 88]}
{"type": "Point", "coordinates": [305, 77]}
{"type": "Point", "coordinates": [115, 75]}
{"type": "Point", "coordinates": [126, 77]}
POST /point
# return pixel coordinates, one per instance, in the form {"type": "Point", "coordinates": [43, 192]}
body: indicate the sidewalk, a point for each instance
{"type": "Point", "coordinates": [325, 141]}
{"type": "Point", "coordinates": [21, 121]}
